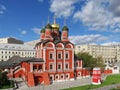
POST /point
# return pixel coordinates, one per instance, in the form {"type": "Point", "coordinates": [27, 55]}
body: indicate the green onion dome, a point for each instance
{"type": "Point", "coordinates": [48, 26]}
{"type": "Point", "coordinates": [42, 30]}
{"type": "Point", "coordinates": [65, 28]}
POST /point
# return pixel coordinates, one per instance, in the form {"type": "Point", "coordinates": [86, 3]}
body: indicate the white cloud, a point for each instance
{"type": "Point", "coordinates": [110, 43]}
{"type": "Point", "coordinates": [117, 30]}
{"type": "Point", "coordinates": [23, 32]}
{"type": "Point", "coordinates": [100, 15]}
{"type": "Point", "coordinates": [2, 9]}
{"type": "Point", "coordinates": [36, 30]}
{"type": "Point", "coordinates": [85, 39]}
{"type": "Point", "coordinates": [62, 8]}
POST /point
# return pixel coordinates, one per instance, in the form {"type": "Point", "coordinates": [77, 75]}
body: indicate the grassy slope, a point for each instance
{"type": "Point", "coordinates": [112, 79]}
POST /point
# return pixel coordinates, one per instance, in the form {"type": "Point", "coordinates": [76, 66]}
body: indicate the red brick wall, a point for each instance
{"type": "Point", "coordinates": [107, 72]}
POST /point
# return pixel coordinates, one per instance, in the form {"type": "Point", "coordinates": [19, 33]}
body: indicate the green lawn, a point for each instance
{"type": "Point", "coordinates": [112, 79]}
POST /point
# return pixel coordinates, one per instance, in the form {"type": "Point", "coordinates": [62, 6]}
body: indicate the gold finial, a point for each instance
{"type": "Point", "coordinates": [55, 25]}
{"type": "Point", "coordinates": [54, 19]}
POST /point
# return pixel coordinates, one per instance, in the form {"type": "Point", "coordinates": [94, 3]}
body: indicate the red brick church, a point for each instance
{"type": "Point", "coordinates": [54, 62]}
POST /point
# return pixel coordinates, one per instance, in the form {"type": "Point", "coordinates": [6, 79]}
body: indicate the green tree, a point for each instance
{"type": "Point", "coordinates": [3, 78]}
{"type": "Point", "coordinates": [89, 61]}
{"type": "Point", "coordinates": [100, 62]}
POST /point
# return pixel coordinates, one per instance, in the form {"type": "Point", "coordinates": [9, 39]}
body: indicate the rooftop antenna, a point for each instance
{"type": "Point", "coordinates": [48, 19]}
{"type": "Point", "coordinates": [64, 22]}
{"type": "Point", "coordinates": [54, 19]}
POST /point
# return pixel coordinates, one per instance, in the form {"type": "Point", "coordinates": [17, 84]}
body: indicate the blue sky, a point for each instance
{"type": "Point", "coordinates": [89, 21]}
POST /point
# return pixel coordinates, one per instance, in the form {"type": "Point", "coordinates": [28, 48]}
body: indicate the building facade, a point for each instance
{"type": "Point", "coordinates": [9, 50]}
{"type": "Point", "coordinates": [10, 40]}
{"type": "Point", "coordinates": [54, 62]}
{"type": "Point", "coordinates": [58, 53]}
{"type": "Point", "coordinates": [117, 48]}
{"type": "Point", "coordinates": [32, 43]}
{"type": "Point", "coordinates": [108, 53]}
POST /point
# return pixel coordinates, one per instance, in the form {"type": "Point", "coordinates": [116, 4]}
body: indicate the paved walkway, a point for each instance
{"type": "Point", "coordinates": [21, 84]}
{"type": "Point", "coordinates": [61, 85]}
{"type": "Point", "coordinates": [58, 85]}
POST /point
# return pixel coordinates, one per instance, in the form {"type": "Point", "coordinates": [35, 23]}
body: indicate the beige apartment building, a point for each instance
{"type": "Point", "coordinates": [109, 54]}
{"type": "Point", "coordinates": [117, 48]}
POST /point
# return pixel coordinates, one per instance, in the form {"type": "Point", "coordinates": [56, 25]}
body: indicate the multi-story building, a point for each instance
{"type": "Point", "coordinates": [108, 53]}
{"type": "Point", "coordinates": [10, 40]}
{"type": "Point", "coordinates": [117, 48]}
{"type": "Point", "coordinates": [10, 47]}
{"type": "Point", "coordinates": [32, 43]}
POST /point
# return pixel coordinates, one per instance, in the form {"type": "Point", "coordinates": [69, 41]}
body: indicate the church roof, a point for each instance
{"type": "Point", "coordinates": [15, 60]}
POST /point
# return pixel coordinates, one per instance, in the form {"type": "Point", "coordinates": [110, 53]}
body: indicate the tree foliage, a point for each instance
{"type": "Point", "coordinates": [89, 61]}
{"type": "Point", "coordinates": [3, 78]}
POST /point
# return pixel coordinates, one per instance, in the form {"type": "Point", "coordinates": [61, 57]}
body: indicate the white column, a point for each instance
{"type": "Point", "coordinates": [64, 59]}
{"type": "Point", "coordinates": [41, 51]}
{"type": "Point", "coordinates": [44, 54]}
{"type": "Point", "coordinates": [31, 66]}
{"type": "Point", "coordinates": [55, 59]}
{"type": "Point", "coordinates": [73, 59]}
{"type": "Point", "coordinates": [43, 66]}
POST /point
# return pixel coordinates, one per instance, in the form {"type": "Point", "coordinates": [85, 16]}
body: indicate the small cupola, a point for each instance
{"type": "Point", "coordinates": [65, 28]}
{"type": "Point", "coordinates": [42, 30]}
{"type": "Point", "coordinates": [48, 26]}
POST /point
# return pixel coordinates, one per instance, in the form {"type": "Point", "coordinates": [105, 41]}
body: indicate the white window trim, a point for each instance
{"type": "Point", "coordinates": [68, 76]}
{"type": "Point", "coordinates": [67, 52]}
{"type": "Point", "coordinates": [59, 52]}
{"type": "Point", "coordinates": [78, 74]}
{"type": "Point", "coordinates": [59, 63]}
{"type": "Point", "coordinates": [52, 77]}
{"type": "Point", "coordinates": [68, 65]}
{"type": "Point", "coordinates": [62, 75]}
{"type": "Point", "coordinates": [52, 55]}
{"type": "Point", "coordinates": [56, 76]}
{"type": "Point", "coordinates": [52, 66]}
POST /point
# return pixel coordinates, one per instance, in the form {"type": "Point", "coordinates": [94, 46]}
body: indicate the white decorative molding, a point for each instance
{"type": "Point", "coordinates": [73, 59]}
{"type": "Point", "coordinates": [31, 66]}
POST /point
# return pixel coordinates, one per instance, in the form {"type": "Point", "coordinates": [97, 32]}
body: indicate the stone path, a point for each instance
{"type": "Point", "coordinates": [62, 85]}
{"type": "Point", "coordinates": [57, 86]}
